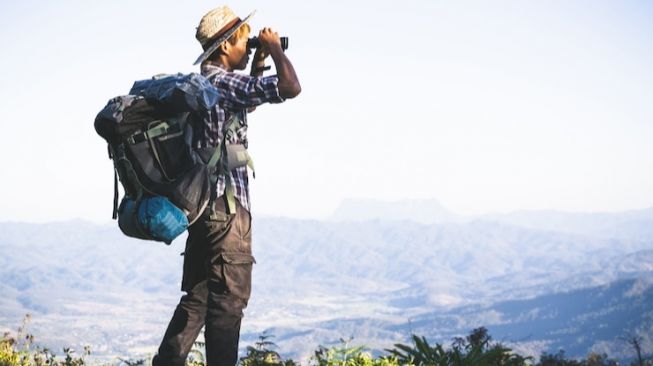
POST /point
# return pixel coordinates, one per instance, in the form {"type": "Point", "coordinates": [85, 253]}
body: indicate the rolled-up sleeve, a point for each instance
{"type": "Point", "coordinates": [240, 91]}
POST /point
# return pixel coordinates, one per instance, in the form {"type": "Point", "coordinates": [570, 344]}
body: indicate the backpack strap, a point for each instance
{"type": "Point", "coordinates": [231, 126]}
{"type": "Point", "coordinates": [115, 194]}
{"type": "Point", "coordinates": [115, 186]}
{"type": "Point", "coordinates": [122, 164]}
{"type": "Point", "coordinates": [162, 128]}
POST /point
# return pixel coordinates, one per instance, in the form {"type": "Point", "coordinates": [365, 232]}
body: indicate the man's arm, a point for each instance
{"type": "Point", "coordinates": [240, 91]}
{"type": "Point", "coordinates": [288, 82]}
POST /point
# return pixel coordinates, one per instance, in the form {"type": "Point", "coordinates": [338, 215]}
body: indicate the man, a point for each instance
{"type": "Point", "coordinates": [218, 258]}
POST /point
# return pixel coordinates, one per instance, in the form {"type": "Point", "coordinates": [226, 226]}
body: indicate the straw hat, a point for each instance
{"type": "Point", "coordinates": [216, 27]}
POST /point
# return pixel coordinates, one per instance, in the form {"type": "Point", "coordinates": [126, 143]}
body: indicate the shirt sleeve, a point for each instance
{"type": "Point", "coordinates": [239, 91]}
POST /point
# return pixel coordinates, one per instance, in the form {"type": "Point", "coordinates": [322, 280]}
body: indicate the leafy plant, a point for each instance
{"type": "Point", "coordinates": [196, 356]}
{"type": "Point", "coordinates": [14, 350]}
{"type": "Point", "coordinates": [262, 354]}
{"type": "Point", "coordinates": [344, 355]}
{"type": "Point", "coordinates": [559, 359]}
{"type": "Point", "coordinates": [18, 350]}
{"type": "Point", "coordinates": [130, 362]}
{"type": "Point", "coordinates": [474, 350]}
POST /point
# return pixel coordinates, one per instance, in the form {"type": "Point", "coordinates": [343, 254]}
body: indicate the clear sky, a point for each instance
{"type": "Point", "coordinates": [485, 106]}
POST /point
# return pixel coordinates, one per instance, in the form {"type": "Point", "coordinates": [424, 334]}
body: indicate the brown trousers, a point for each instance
{"type": "Point", "coordinates": [217, 280]}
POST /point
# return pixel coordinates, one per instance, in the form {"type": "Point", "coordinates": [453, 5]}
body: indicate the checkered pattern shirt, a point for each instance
{"type": "Point", "coordinates": [237, 93]}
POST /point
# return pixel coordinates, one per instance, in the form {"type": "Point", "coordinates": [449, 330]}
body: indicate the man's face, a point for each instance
{"type": "Point", "coordinates": [239, 55]}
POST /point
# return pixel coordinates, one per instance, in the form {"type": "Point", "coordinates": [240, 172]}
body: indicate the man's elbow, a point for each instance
{"type": "Point", "coordinates": [290, 91]}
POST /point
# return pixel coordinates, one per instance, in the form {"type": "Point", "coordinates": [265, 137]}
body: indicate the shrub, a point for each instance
{"type": "Point", "coordinates": [344, 355]}
{"type": "Point", "coordinates": [262, 354]}
{"type": "Point", "coordinates": [19, 350]}
{"type": "Point", "coordinates": [474, 350]}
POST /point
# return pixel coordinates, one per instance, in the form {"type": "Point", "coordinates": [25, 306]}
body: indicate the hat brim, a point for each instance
{"type": "Point", "coordinates": [209, 51]}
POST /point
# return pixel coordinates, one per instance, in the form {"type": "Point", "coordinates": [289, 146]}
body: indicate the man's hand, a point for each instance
{"type": "Point", "coordinates": [271, 45]}
{"type": "Point", "coordinates": [269, 39]}
{"type": "Point", "coordinates": [266, 37]}
{"type": "Point", "coordinates": [261, 53]}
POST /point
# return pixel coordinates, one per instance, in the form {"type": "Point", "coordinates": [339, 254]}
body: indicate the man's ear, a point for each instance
{"type": "Point", "coordinates": [225, 47]}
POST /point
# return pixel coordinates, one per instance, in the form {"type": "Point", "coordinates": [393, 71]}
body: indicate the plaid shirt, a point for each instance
{"type": "Point", "coordinates": [237, 92]}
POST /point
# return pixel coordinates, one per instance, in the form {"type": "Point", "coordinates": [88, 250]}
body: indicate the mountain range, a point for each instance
{"type": "Point", "coordinates": [539, 281]}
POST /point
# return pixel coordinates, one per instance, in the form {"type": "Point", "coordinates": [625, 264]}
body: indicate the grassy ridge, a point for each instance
{"type": "Point", "coordinates": [476, 349]}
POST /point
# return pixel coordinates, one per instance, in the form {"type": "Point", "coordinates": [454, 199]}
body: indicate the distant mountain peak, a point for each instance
{"type": "Point", "coordinates": [425, 211]}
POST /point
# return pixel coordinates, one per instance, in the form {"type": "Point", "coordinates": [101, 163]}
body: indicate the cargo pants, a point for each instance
{"type": "Point", "coordinates": [217, 280]}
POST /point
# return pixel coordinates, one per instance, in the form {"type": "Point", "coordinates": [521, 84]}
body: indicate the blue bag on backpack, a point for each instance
{"type": "Point", "coordinates": [180, 92]}
{"type": "Point", "coordinates": [153, 218]}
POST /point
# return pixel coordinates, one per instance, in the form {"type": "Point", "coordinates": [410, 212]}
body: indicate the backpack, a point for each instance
{"type": "Point", "coordinates": [167, 182]}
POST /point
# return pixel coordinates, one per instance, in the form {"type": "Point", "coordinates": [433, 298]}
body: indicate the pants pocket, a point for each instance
{"type": "Point", "coordinates": [244, 222]}
{"type": "Point", "coordinates": [217, 225]}
{"type": "Point", "coordinates": [237, 269]}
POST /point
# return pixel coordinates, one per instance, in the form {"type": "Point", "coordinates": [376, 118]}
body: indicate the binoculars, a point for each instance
{"type": "Point", "coordinates": [255, 43]}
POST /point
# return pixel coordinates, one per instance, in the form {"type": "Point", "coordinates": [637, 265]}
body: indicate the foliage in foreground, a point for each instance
{"type": "Point", "coordinates": [476, 349]}
{"type": "Point", "coordinates": [19, 350]}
